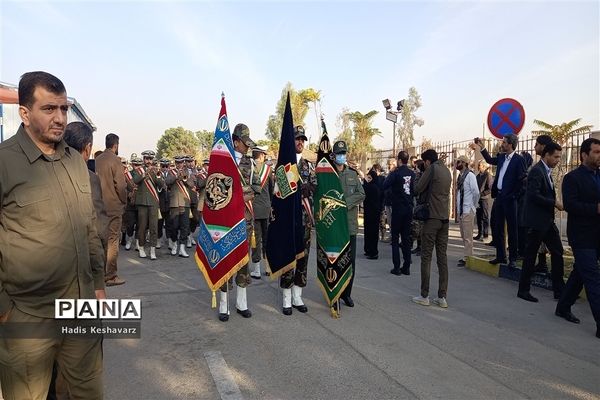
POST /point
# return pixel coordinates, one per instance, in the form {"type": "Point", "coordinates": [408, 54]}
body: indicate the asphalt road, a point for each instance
{"type": "Point", "coordinates": [487, 345]}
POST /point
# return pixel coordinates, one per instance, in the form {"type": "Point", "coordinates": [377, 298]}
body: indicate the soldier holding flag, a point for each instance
{"type": "Point", "coordinates": [294, 280]}
{"type": "Point", "coordinates": [250, 186]}
{"type": "Point", "coordinates": [354, 195]}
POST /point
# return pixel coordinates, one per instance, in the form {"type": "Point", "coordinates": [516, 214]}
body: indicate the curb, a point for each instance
{"type": "Point", "coordinates": [483, 266]}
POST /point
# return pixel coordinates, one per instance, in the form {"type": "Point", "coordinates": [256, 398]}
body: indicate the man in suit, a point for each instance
{"type": "Point", "coordinates": [581, 194]}
{"type": "Point", "coordinates": [507, 185]}
{"type": "Point", "coordinates": [540, 202]}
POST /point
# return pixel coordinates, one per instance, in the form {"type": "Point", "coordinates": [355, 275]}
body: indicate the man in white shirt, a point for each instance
{"type": "Point", "coordinates": [467, 197]}
{"type": "Point", "coordinates": [505, 190]}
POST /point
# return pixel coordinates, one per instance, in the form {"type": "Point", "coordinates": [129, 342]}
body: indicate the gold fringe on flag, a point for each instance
{"type": "Point", "coordinates": [214, 299]}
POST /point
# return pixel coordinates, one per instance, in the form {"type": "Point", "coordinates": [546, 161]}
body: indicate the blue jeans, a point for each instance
{"type": "Point", "coordinates": [586, 273]}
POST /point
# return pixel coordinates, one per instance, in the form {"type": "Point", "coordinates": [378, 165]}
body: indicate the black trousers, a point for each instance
{"type": "Point", "coordinates": [348, 291]}
{"type": "Point", "coordinates": [401, 230]}
{"type": "Point", "coordinates": [130, 220]}
{"type": "Point", "coordinates": [180, 223]}
{"type": "Point", "coordinates": [586, 273]}
{"type": "Point", "coordinates": [165, 222]}
{"type": "Point", "coordinates": [372, 219]}
{"type": "Point", "coordinates": [506, 213]}
{"type": "Point", "coordinates": [483, 217]}
{"type": "Point", "coordinates": [551, 237]}
{"type": "Point", "coordinates": [195, 219]}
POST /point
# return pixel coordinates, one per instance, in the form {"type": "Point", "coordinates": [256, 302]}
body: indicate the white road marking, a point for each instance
{"type": "Point", "coordinates": [222, 376]}
{"type": "Point", "coordinates": [136, 262]}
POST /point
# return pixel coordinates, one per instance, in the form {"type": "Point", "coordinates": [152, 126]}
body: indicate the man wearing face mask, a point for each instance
{"type": "Point", "coordinates": [467, 197]}
{"type": "Point", "coordinates": [250, 187]}
{"type": "Point", "coordinates": [294, 280]}
{"type": "Point", "coordinates": [354, 194]}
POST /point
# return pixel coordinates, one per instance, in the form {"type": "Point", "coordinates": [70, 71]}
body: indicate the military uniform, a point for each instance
{"type": "Point", "coordinates": [163, 204]}
{"type": "Point", "coordinates": [294, 280]}
{"type": "Point", "coordinates": [262, 211]}
{"type": "Point", "coordinates": [130, 215]}
{"type": "Point", "coordinates": [194, 199]}
{"type": "Point", "coordinates": [354, 195]}
{"type": "Point", "coordinates": [250, 187]}
{"type": "Point", "coordinates": [148, 180]}
{"type": "Point", "coordinates": [179, 203]}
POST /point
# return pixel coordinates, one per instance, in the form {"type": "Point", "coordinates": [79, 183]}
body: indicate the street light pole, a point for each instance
{"type": "Point", "coordinates": [394, 140]}
{"type": "Point", "coordinates": [393, 116]}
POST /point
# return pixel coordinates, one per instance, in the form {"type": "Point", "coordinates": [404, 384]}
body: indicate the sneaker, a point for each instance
{"type": "Point", "coordinates": [114, 281]}
{"type": "Point", "coordinates": [440, 301]}
{"type": "Point", "coordinates": [424, 301]}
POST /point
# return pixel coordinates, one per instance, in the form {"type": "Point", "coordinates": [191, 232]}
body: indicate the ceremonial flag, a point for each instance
{"type": "Point", "coordinates": [222, 247]}
{"type": "Point", "coordinates": [285, 238]}
{"type": "Point", "coordinates": [331, 217]}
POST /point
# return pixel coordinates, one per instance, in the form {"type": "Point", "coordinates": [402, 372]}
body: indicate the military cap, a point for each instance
{"type": "Point", "coordinates": [133, 156]}
{"type": "Point", "coordinates": [299, 133]}
{"type": "Point", "coordinates": [179, 159]}
{"type": "Point", "coordinates": [148, 153]}
{"type": "Point", "coordinates": [205, 161]}
{"type": "Point", "coordinates": [137, 161]}
{"type": "Point", "coordinates": [242, 132]}
{"type": "Point", "coordinates": [164, 161]}
{"type": "Point", "coordinates": [259, 149]}
{"type": "Point", "coordinates": [123, 160]}
{"type": "Point", "coordinates": [340, 147]}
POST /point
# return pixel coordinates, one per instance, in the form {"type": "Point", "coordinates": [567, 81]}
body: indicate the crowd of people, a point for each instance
{"type": "Point", "coordinates": [63, 221]}
{"type": "Point", "coordinates": [520, 199]}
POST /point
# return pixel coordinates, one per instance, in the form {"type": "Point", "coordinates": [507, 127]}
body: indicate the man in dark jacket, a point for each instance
{"type": "Point", "coordinates": [581, 195]}
{"type": "Point", "coordinates": [485, 180]}
{"type": "Point", "coordinates": [401, 183]}
{"type": "Point", "coordinates": [506, 188]}
{"type": "Point", "coordinates": [538, 218]}
{"type": "Point", "coordinates": [372, 211]}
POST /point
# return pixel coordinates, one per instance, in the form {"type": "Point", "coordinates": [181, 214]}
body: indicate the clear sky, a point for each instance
{"type": "Point", "coordinates": [140, 67]}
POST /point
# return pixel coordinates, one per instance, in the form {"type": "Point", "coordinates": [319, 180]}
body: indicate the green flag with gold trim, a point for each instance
{"type": "Point", "coordinates": [331, 220]}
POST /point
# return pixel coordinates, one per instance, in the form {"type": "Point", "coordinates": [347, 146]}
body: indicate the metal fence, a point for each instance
{"type": "Point", "coordinates": [455, 149]}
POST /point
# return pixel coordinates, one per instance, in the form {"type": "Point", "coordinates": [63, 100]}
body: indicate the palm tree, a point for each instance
{"type": "Point", "coordinates": [561, 133]}
{"type": "Point", "coordinates": [363, 134]}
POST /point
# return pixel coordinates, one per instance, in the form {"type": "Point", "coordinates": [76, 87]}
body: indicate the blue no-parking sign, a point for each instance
{"type": "Point", "coordinates": [506, 116]}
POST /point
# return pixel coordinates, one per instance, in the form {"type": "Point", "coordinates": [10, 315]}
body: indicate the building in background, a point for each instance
{"type": "Point", "coordinates": [9, 111]}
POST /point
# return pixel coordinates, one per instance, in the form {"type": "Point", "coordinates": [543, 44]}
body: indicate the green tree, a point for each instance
{"type": "Point", "coordinates": [406, 128]}
{"type": "Point", "coordinates": [300, 100]}
{"type": "Point", "coordinates": [205, 142]}
{"type": "Point", "coordinates": [563, 132]}
{"type": "Point", "coordinates": [561, 135]}
{"type": "Point", "coordinates": [361, 145]}
{"type": "Point", "coordinates": [178, 141]}
{"type": "Point", "coordinates": [344, 126]}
